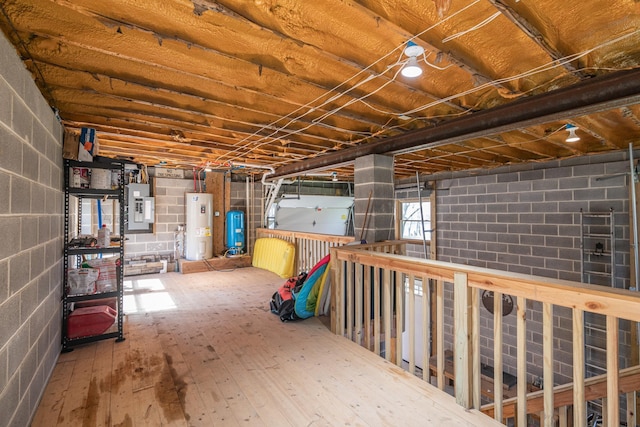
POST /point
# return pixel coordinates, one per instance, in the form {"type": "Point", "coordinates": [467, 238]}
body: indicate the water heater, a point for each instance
{"type": "Point", "coordinates": [199, 213]}
{"type": "Point", "coordinates": [235, 232]}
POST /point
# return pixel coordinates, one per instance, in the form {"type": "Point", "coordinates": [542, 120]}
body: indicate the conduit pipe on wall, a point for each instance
{"type": "Point", "coordinates": [634, 180]}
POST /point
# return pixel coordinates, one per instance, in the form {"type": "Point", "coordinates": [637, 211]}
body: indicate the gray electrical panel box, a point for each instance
{"type": "Point", "coordinates": [140, 208]}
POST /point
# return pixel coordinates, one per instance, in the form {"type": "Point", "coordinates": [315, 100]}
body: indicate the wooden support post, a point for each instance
{"type": "Point", "coordinates": [462, 360]}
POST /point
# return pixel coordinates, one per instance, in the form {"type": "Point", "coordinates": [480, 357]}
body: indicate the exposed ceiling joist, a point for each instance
{"type": "Point", "coordinates": [599, 94]}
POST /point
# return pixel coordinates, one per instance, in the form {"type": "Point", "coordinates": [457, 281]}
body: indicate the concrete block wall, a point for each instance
{"type": "Point", "coordinates": [170, 212]}
{"type": "Point", "coordinates": [169, 208]}
{"type": "Point", "coordinates": [374, 189]}
{"type": "Point", "coordinates": [526, 219]}
{"type": "Point", "coordinates": [31, 226]}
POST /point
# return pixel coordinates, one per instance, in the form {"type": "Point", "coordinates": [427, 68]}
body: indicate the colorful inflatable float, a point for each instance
{"type": "Point", "coordinates": [313, 298]}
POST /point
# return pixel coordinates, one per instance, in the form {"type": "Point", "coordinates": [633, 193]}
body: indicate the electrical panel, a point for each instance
{"type": "Point", "coordinates": [140, 207]}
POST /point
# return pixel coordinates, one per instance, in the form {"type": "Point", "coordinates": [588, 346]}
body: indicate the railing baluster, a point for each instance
{"type": "Point", "coordinates": [367, 306]}
{"type": "Point", "coordinates": [579, 404]}
{"type": "Point", "coordinates": [386, 289]}
{"type": "Point", "coordinates": [613, 401]}
{"type": "Point", "coordinates": [440, 333]}
{"type": "Point", "coordinates": [359, 303]}
{"type": "Point", "coordinates": [399, 296]}
{"type": "Point", "coordinates": [631, 409]}
{"type": "Point", "coordinates": [497, 355]}
{"type": "Point", "coordinates": [410, 326]}
{"type": "Point", "coordinates": [547, 349]}
{"type": "Point", "coordinates": [521, 339]}
{"type": "Point", "coordinates": [350, 303]}
{"type": "Point", "coordinates": [426, 327]}
{"type": "Point", "coordinates": [475, 348]}
{"type": "Point", "coordinates": [377, 305]}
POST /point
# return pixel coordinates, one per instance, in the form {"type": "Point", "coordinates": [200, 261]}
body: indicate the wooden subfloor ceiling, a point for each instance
{"type": "Point", "coordinates": [204, 350]}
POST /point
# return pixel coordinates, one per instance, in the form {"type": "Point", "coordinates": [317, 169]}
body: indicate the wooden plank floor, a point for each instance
{"type": "Point", "coordinates": [204, 350]}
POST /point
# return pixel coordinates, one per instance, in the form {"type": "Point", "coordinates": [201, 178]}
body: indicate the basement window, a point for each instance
{"type": "Point", "coordinates": [412, 222]}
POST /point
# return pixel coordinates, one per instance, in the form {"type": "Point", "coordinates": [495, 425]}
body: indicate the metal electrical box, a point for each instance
{"type": "Point", "coordinates": [140, 208]}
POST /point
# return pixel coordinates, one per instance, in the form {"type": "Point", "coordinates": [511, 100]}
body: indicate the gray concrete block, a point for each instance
{"type": "Point", "coordinates": [519, 250]}
{"type": "Point", "coordinates": [37, 262]}
{"type": "Point", "coordinates": [28, 232]}
{"type": "Point", "coordinates": [20, 195]}
{"type": "Point", "coordinates": [22, 120]}
{"type": "Point", "coordinates": [519, 207]}
{"type": "Point", "coordinates": [6, 94]}
{"type": "Point", "coordinates": [19, 270]}
{"type": "Point", "coordinates": [44, 229]}
{"type": "Point", "coordinates": [4, 363]}
{"type": "Point", "coordinates": [27, 370]}
{"type": "Point", "coordinates": [532, 175]}
{"type": "Point", "coordinates": [506, 198]}
{"type": "Point", "coordinates": [10, 397]}
{"type": "Point", "coordinates": [11, 158]}
{"type": "Point", "coordinates": [4, 281]}
{"type": "Point", "coordinates": [5, 192]}
{"type": "Point", "coordinates": [11, 239]}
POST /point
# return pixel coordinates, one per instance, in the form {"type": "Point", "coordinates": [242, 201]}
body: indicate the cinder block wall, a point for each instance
{"type": "Point", "coordinates": [169, 206]}
{"type": "Point", "coordinates": [170, 212]}
{"type": "Point", "coordinates": [527, 220]}
{"type": "Point", "coordinates": [31, 226]}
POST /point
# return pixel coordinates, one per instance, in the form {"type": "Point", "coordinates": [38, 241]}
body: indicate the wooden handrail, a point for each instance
{"type": "Point", "coordinates": [620, 303]}
{"type": "Point", "coordinates": [329, 238]}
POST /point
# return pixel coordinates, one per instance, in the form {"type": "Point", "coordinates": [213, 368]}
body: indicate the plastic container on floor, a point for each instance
{"type": "Point", "coordinates": [89, 321]}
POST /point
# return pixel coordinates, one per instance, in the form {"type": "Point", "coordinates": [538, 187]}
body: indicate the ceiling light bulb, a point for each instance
{"type": "Point", "coordinates": [572, 133]}
{"type": "Point", "coordinates": [411, 69]}
{"type": "Point", "coordinates": [334, 176]}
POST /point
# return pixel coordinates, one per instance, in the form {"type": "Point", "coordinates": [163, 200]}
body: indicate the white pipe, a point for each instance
{"type": "Point", "coordinates": [635, 216]}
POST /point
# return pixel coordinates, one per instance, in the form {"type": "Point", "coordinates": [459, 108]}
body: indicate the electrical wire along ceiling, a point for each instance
{"type": "Point", "coordinates": [443, 85]}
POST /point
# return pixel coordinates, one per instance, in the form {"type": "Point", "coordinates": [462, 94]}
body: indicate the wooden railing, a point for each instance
{"type": "Point", "coordinates": [310, 247]}
{"type": "Point", "coordinates": [371, 292]}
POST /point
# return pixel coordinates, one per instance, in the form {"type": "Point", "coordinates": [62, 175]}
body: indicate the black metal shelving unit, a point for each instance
{"type": "Point", "coordinates": [77, 253]}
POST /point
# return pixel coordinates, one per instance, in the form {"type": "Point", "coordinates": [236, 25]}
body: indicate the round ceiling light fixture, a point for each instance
{"type": "Point", "coordinates": [411, 68]}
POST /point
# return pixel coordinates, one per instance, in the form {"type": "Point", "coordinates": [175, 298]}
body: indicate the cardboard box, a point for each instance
{"type": "Point", "coordinates": [70, 144]}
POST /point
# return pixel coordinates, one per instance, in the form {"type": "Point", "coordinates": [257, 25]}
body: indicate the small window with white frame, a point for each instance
{"type": "Point", "coordinates": [414, 221]}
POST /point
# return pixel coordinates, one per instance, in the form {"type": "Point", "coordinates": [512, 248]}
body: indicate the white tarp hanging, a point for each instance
{"type": "Point", "coordinates": [314, 214]}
